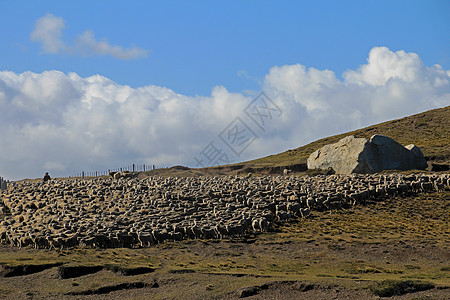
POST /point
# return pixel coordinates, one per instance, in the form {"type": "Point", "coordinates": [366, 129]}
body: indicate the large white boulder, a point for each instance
{"type": "Point", "coordinates": [360, 155]}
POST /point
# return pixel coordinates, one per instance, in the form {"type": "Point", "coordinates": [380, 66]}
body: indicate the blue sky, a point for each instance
{"type": "Point", "coordinates": [96, 85]}
{"type": "Point", "coordinates": [196, 45]}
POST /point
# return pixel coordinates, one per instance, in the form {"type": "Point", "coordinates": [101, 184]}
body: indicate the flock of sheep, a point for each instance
{"type": "Point", "coordinates": [128, 212]}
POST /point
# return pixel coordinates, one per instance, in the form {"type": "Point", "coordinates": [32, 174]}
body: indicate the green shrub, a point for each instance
{"type": "Point", "coordinates": [389, 288]}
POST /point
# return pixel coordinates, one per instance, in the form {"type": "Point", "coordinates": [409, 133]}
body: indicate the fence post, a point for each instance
{"type": "Point", "coordinates": [82, 175]}
{"type": "Point", "coordinates": [3, 184]}
{"type": "Point", "coordinates": [133, 167]}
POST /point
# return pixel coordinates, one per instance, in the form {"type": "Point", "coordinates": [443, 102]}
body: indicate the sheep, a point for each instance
{"type": "Point", "coordinates": [439, 186]}
{"type": "Point", "coordinates": [293, 208]}
{"type": "Point", "coordinates": [208, 232]}
{"type": "Point", "coordinates": [87, 242]}
{"type": "Point", "coordinates": [282, 215]}
{"type": "Point", "coordinates": [117, 212]}
{"type": "Point", "coordinates": [426, 187]}
{"type": "Point", "coordinates": [403, 189]}
{"type": "Point", "coordinates": [160, 235]}
{"type": "Point", "coordinates": [175, 236]}
{"type": "Point", "coordinates": [192, 232]}
{"type": "Point", "coordinates": [235, 229]}
{"type": "Point", "coordinates": [220, 230]}
{"type": "Point", "coordinates": [259, 224]}
{"type": "Point", "coordinates": [305, 212]}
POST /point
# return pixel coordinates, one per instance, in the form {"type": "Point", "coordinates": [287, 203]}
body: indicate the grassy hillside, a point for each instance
{"type": "Point", "coordinates": [429, 130]}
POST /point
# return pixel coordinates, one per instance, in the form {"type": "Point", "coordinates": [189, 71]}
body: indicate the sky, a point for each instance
{"type": "Point", "coordinates": [96, 85]}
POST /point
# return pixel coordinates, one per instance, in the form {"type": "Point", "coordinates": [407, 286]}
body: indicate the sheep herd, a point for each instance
{"type": "Point", "coordinates": [130, 212]}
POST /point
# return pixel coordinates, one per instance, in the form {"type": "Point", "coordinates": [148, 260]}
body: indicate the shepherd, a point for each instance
{"type": "Point", "coordinates": [46, 177]}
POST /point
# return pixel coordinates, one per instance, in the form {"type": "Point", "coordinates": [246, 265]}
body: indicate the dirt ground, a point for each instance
{"type": "Point", "coordinates": [331, 255]}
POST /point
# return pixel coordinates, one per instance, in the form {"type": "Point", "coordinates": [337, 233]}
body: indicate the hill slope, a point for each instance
{"type": "Point", "coordinates": [429, 130]}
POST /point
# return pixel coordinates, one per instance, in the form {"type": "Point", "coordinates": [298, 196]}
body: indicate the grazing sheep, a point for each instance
{"type": "Point", "coordinates": [305, 212]}
{"type": "Point", "coordinates": [124, 212]}
{"type": "Point", "coordinates": [145, 239]}
{"type": "Point", "coordinates": [208, 232]}
{"type": "Point", "coordinates": [221, 231]}
{"type": "Point", "coordinates": [260, 224]}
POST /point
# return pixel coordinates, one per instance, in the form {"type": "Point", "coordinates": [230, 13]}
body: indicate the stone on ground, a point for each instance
{"type": "Point", "coordinates": [360, 155]}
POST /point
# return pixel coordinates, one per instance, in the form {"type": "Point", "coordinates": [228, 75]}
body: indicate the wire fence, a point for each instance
{"type": "Point", "coordinates": [90, 174]}
{"type": "Point", "coordinates": [130, 168]}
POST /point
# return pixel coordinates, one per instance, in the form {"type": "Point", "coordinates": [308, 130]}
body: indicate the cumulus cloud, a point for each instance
{"type": "Point", "coordinates": [48, 31]}
{"type": "Point", "coordinates": [384, 65]}
{"type": "Point", "coordinates": [391, 85]}
{"type": "Point", "coordinates": [64, 123]}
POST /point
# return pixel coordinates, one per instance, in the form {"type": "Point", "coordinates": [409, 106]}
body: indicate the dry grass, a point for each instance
{"type": "Point", "coordinates": [399, 239]}
{"type": "Point", "coordinates": [429, 130]}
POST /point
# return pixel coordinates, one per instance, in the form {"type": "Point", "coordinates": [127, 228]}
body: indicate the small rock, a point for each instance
{"type": "Point", "coordinates": [303, 287]}
{"type": "Point", "coordinates": [248, 291]}
{"type": "Point", "coordinates": [154, 284]}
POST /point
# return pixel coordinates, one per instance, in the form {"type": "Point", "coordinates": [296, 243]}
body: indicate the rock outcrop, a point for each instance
{"type": "Point", "coordinates": [360, 155]}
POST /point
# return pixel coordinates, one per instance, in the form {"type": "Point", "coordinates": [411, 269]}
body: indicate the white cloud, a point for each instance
{"type": "Point", "coordinates": [391, 85]}
{"type": "Point", "coordinates": [87, 44]}
{"type": "Point", "coordinates": [384, 64]}
{"type": "Point", "coordinates": [64, 123]}
{"type": "Point", "coordinates": [302, 84]}
{"type": "Point", "coordinates": [48, 31]}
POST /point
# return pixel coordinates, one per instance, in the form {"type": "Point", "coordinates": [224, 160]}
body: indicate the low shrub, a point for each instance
{"type": "Point", "coordinates": [389, 288]}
